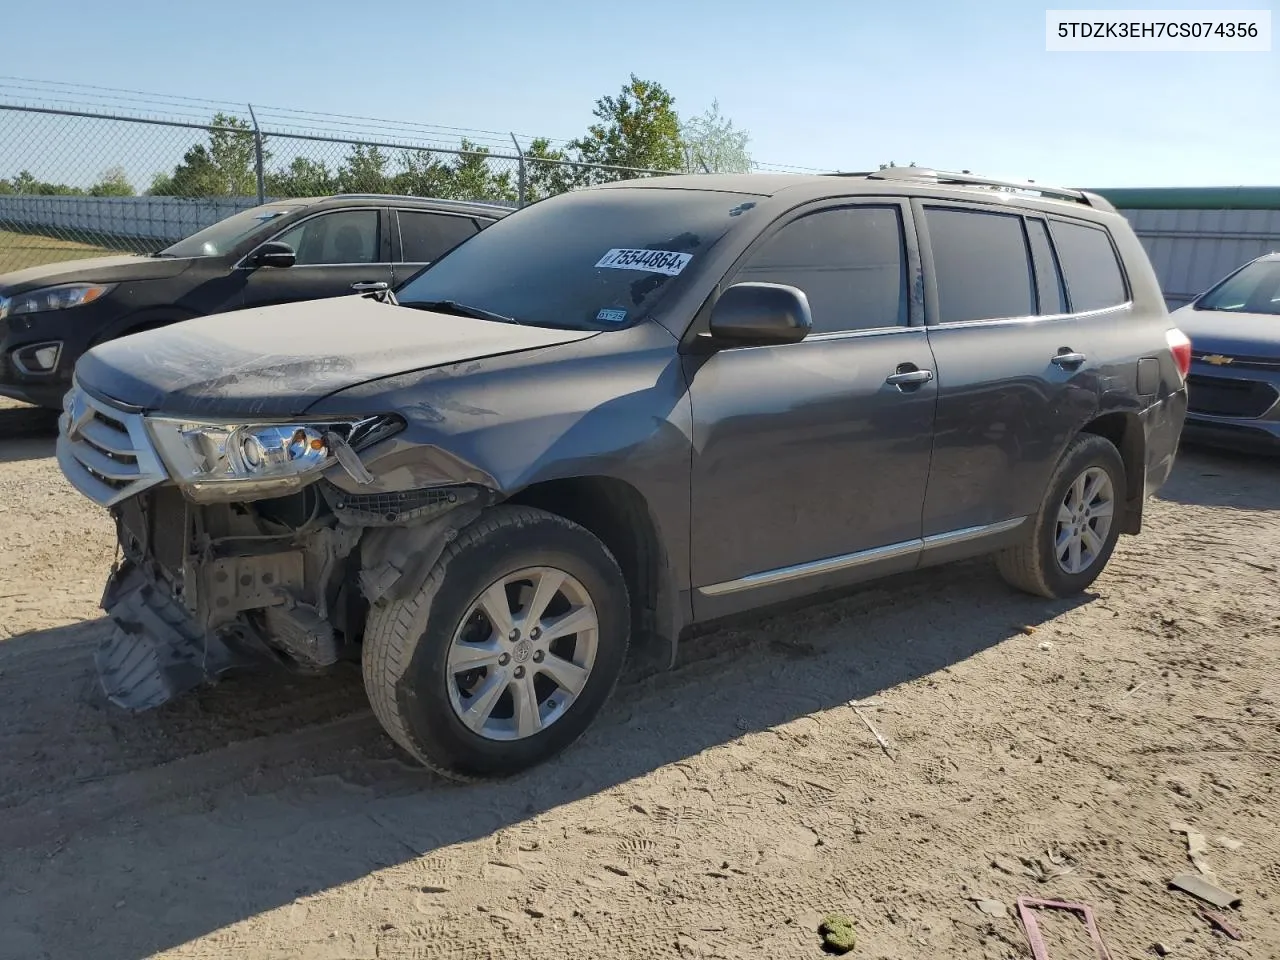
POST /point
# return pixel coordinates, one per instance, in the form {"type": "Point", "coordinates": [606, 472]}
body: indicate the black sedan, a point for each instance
{"type": "Point", "coordinates": [275, 253]}
{"type": "Point", "coordinates": [1234, 386]}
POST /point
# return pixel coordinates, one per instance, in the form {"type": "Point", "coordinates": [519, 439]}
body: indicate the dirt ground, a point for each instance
{"type": "Point", "coordinates": [716, 811]}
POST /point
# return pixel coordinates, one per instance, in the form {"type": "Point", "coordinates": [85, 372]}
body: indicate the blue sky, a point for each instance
{"type": "Point", "coordinates": [818, 84]}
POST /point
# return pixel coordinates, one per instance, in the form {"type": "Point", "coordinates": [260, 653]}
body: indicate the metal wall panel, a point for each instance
{"type": "Point", "coordinates": [1193, 249]}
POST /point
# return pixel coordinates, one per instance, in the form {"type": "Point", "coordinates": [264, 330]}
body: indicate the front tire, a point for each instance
{"type": "Point", "coordinates": [1073, 534]}
{"type": "Point", "coordinates": [505, 653]}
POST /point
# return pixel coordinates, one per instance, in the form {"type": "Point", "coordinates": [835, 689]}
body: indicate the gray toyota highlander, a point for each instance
{"type": "Point", "coordinates": [616, 414]}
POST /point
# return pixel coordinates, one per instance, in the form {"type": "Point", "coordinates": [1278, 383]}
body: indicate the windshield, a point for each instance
{"type": "Point", "coordinates": [1255, 289]}
{"type": "Point", "coordinates": [225, 234]}
{"type": "Point", "coordinates": [592, 260]}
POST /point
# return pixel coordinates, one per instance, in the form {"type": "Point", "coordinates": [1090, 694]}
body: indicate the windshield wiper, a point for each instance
{"type": "Point", "coordinates": [459, 310]}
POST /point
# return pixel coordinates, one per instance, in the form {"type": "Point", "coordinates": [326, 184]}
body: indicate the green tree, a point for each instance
{"type": "Point", "coordinates": [544, 177]}
{"type": "Point", "coordinates": [470, 176]}
{"type": "Point", "coordinates": [637, 128]}
{"type": "Point", "coordinates": [112, 183]}
{"type": "Point", "coordinates": [302, 178]}
{"type": "Point", "coordinates": [26, 183]}
{"type": "Point", "coordinates": [365, 171]}
{"type": "Point", "coordinates": [712, 145]}
{"type": "Point", "coordinates": [422, 175]}
{"type": "Point", "coordinates": [223, 168]}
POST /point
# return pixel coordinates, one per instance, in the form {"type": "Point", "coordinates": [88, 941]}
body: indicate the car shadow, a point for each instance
{"type": "Point", "coordinates": [26, 448]}
{"type": "Point", "coordinates": [1212, 477]}
{"type": "Point", "coordinates": [23, 431]}
{"type": "Point", "coordinates": [134, 834]}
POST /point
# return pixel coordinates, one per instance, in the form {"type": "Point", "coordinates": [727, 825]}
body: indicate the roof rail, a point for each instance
{"type": "Point", "coordinates": [409, 196]}
{"type": "Point", "coordinates": [967, 179]}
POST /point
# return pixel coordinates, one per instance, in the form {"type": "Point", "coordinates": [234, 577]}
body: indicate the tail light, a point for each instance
{"type": "Point", "coordinates": [1180, 347]}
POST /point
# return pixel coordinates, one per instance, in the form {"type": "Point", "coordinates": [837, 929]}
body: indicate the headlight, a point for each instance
{"type": "Point", "coordinates": [53, 298]}
{"type": "Point", "coordinates": [230, 461]}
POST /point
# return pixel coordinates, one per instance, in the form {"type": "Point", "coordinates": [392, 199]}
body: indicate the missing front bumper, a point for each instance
{"type": "Point", "coordinates": [154, 652]}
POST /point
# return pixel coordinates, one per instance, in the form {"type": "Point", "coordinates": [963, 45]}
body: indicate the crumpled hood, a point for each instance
{"type": "Point", "coordinates": [278, 361]}
{"type": "Point", "coordinates": [1230, 334]}
{"type": "Point", "coordinates": [92, 270]}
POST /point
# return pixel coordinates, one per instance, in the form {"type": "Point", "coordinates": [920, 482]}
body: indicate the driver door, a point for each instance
{"type": "Point", "coordinates": [335, 252]}
{"type": "Point", "coordinates": [811, 459]}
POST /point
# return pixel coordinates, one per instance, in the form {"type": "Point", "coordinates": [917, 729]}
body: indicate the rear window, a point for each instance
{"type": "Point", "coordinates": [425, 237]}
{"type": "Point", "coordinates": [1089, 263]}
{"type": "Point", "coordinates": [591, 260]}
{"type": "Point", "coordinates": [980, 265]}
{"type": "Point", "coordinates": [1255, 289]}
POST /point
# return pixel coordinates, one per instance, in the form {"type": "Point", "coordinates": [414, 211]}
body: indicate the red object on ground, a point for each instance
{"type": "Point", "coordinates": [1026, 911]}
{"type": "Point", "coordinates": [1221, 923]}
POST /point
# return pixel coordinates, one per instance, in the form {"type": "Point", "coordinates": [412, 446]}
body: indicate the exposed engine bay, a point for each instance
{"type": "Point", "coordinates": [207, 588]}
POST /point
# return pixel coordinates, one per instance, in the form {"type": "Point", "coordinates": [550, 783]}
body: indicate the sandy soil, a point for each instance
{"type": "Point", "coordinates": [717, 811]}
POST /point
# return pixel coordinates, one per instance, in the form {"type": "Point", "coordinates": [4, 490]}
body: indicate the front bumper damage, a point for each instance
{"type": "Point", "coordinates": [205, 590]}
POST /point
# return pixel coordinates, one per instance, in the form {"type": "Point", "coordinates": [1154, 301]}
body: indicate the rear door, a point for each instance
{"type": "Point", "coordinates": [1016, 379]}
{"type": "Point", "coordinates": [424, 236]}
{"type": "Point", "coordinates": [339, 253]}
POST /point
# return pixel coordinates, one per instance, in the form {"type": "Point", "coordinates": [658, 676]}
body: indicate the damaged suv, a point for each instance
{"type": "Point", "coordinates": [615, 414]}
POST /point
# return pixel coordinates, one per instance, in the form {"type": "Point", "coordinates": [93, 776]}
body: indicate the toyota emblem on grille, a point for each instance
{"type": "Point", "coordinates": [78, 415]}
{"type": "Point", "coordinates": [1217, 359]}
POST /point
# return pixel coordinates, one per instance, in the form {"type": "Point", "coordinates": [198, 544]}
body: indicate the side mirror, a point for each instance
{"type": "Point", "coordinates": [761, 314]}
{"type": "Point", "coordinates": [274, 254]}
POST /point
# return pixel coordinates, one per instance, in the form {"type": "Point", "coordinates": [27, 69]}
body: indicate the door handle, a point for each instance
{"type": "Point", "coordinates": [1068, 359]}
{"type": "Point", "coordinates": [366, 287]}
{"type": "Point", "coordinates": [909, 377]}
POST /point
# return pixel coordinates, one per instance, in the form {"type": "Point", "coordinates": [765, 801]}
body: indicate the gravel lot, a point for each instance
{"type": "Point", "coordinates": [717, 811]}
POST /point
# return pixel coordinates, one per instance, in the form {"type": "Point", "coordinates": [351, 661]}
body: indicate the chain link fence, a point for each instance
{"type": "Point", "coordinates": [77, 184]}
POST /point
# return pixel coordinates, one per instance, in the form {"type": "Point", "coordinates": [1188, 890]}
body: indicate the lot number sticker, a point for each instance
{"type": "Point", "coordinates": [648, 261]}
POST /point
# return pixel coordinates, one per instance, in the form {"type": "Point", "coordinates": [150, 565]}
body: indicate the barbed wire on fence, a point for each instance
{"type": "Point", "coordinates": [76, 181]}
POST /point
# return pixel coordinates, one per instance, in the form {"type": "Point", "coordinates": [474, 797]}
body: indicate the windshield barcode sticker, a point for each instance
{"type": "Point", "coordinates": [649, 261]}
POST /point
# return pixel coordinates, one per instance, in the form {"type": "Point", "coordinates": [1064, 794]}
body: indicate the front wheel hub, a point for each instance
{"type": "Point", "coordinates": [522, 654]}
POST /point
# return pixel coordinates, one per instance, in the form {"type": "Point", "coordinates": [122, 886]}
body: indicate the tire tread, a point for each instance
{"type": "Point", "coordinates": [1021, 565]}
{"type": "Point", "coordinates": [395, 627]}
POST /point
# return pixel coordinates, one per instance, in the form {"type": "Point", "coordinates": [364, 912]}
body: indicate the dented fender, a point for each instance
{"type": "Point", "coordinates": [592, 408]}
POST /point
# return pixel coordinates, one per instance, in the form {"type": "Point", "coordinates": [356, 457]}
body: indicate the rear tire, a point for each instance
{"type": "Point", "coordinates": [413, 646]}
{"type": "Point", "coordinates": [1067, 544]}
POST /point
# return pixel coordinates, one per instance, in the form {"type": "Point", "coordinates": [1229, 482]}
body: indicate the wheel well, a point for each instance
{"type": "Point", "coordinates": [618, 515]}
{"type": "Point", "coordinates": [1124, 430]}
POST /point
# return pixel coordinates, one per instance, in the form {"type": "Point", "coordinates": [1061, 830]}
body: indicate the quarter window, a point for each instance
{"type": "Point", "coordinates": [348, 236]}
{"type": "Point", "coordinates": [1094, 280]}
{"type": "Point", "coordinates": [850, 262]}
{"type": "Point", "coordinates": [980, 265]}
{"type": "Point", "coordinates": [425, 237]}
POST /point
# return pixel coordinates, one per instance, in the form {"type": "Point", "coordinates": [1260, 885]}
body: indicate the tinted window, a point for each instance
{"type": "Point", "coordinates": [349, 236]}
{"type": "Point", "coordinates": [1089, 263]}
{"type": "Point", "coordinates": [429, 236]}
{"type": "Point", "coordinates": [1053, 296]}
{"type": "Point", "coordinates": [589, 260]}
{"type": "Point", "coordinates": [1255, 289]}
{"type": "Point", "coordinates": [980, 265]}
{"type": "Point", "coordinates": [850, 263]}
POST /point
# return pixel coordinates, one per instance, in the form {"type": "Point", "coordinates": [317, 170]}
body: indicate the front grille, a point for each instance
{"type": "Point", "coordinates": [1238, 362]}
{"type": "Point", "coordinates": [1225, 397]}
{"type": "Point", "coordinates": [105, 452]}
